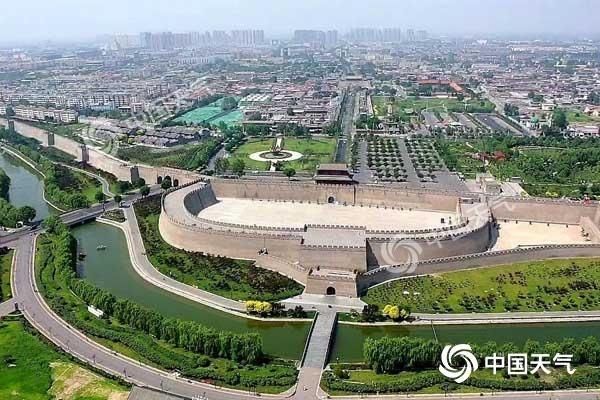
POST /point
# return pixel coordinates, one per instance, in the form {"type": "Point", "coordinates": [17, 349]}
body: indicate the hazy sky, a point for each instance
{"type": "Point", "coordinates": [27, 20]}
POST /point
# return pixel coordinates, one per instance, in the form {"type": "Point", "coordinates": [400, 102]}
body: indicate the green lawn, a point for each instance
{"type": "Point", "coordinates": [551, 285]}
{"type": "Point", "coordinates": [190, 157]}
{"type": "Point", "coordinates": [576, 116]}
{"type": "Point", "coordinates": [32, 370]}
{"type": "Point", "coordinates": [316, 151]}
{"type": "Point", "coordinates": [401, 107]}
{"type": "Point", "coordinates": [234, 279]}
{"type": "Point", "coordinates": [5, 268]}
{"type": "Point", "coordinates": [457, 157]}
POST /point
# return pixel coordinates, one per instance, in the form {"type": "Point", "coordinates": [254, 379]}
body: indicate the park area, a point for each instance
{"type": "Point", "coordinates": [213, 113]}
{"type": "Point", "coordinates": [412, 106]}
{"type": "Point", "coordinates": [551, 285]}
{"type": "Point", "coordinates": [549, 167]}
{"type": "Point", "coordinates": [314, 151]}
{"type": "Point", "coordinates": [189, 157]}
{"type": "Point", "coordinates": [32, 370]}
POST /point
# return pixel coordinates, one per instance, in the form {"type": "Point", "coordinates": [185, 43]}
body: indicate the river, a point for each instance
{"type": "Point", "coordinates": [111, 269]}
{"type": "Point", "coordinates": [26, 186]}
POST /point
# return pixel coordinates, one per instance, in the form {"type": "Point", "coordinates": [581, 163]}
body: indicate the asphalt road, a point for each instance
{"type": "Point", "coordinates": [39, 314]}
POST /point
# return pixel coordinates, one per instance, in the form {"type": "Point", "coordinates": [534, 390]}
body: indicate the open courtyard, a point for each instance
{"type": "Point", "coordinates": [512, 235]}
{"type": "Point", "coordinates": [296, 215]}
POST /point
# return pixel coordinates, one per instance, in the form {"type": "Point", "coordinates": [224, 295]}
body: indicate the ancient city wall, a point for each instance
{"type": "Point", "coordinates": [539, 210]}
{"type": "Point", "coordinates": [284, 267]}
{"type": "Point", "coordinates": [471, 261]}
{"type": "Point", "coordinates": [385, 196]}
{"type": "Point", "coordinates": [365, 195]}
{"type": "Point", "coordinates": [199, 199]}
{"type": "Point", "coordinates": [318, 284]}
{"type": "Point", "coordinates": [154, 175]}
{"type": "Point", "coordinates": [386, 251]}
{"type": "Point", "coordinates": [297, 191]}
{"type": "Point", "coordinates": [102, 161]}
{"type": "Point", "coordinates": [227, 243]}
{"type": "Point", "coordinates": [120, 169]}
{"type": "Point", "coordinates": [333, 257]}
{"type": "Point", "coordinates": [29, 131]}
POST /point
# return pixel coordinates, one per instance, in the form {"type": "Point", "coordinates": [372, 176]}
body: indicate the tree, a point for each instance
{"type": "Point", "coordinates": [145, 190]}
{"type": "Point", "coordinates": [221, 165]}
{"type": "Point", "coordinates": [53, 224]}
{"type": "Point", "coordinates": [559, 119]}
{"type": "Point", "coordinates": [238, 166]}
{"type": "Point", "coordinates": [99, 196]}
{"type": "Point", "coordinates": [370, 313]}
{"type": "Point", "coordinates": [166, 184]}
{"type": "Point", "coordinates": [289, 172]}
{"type": "Point", "coordinates": [118, 199]}
{"type": "Point", "coordinates": [229, 103]}
{"type": "Point", "coordinates": [26, 214]}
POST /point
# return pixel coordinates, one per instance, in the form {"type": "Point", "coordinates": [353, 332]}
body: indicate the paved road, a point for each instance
{"type": "Point", "coordinates": [74, 342]}
{"type": "Point", "coordinates": [348, 114]}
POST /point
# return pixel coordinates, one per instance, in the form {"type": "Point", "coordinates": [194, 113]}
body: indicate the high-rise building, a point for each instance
{"type": "Point", "coordinates": [220, 37]}
{"type": "Point", "coordinates": [247, 37]}
{"type": "Point", "coordinates": [126, 42]}
{"type": "Point", "coordinates": [329, 38]}
{"type": "Point", "coordinates": [145, 39]}
{"type": "Point", "coordinates": [422, 35]}
{"type": "Point", "coordinates": [410, 35]}
{"type": "Point", "coordinates": [393, 35]}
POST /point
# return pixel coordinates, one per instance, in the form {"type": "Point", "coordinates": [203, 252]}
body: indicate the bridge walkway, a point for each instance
{"type": "Point", "coordinates": [316, 356]}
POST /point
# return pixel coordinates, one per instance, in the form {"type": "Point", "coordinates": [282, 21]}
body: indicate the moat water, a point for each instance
{"type": "Point", "coordinates": [112, 270]}
{"type": "Point", "coordinates": [26, 186]}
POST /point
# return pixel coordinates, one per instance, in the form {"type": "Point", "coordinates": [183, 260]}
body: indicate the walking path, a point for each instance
{"type": "Point", "coordinates": [143, 266]}
{"type": "Point", "coordinates": [8, 307]}
{"type": "Point", "coordinates": [315, 358]}
{"type": "Point", "coordinates": [101, 179]}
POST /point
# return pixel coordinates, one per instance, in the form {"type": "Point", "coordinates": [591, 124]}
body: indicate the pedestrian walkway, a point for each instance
{"type": "Point", "coordinates": [8, 307]}
{"type": "Point", "coordinates": [146, 270]}
{"type": "Point", "coordinates": [315, 357]}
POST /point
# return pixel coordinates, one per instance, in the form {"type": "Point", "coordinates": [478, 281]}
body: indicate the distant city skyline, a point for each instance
{"type": "Point", "coordinates": [67, 20]}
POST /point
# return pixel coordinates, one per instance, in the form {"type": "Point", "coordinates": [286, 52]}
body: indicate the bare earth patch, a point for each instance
{"type": "Point", "coordinates": [71, 381]}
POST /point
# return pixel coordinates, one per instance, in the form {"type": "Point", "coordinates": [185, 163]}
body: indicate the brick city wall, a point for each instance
{"type": "Point", "coordinates": [471, 261]}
